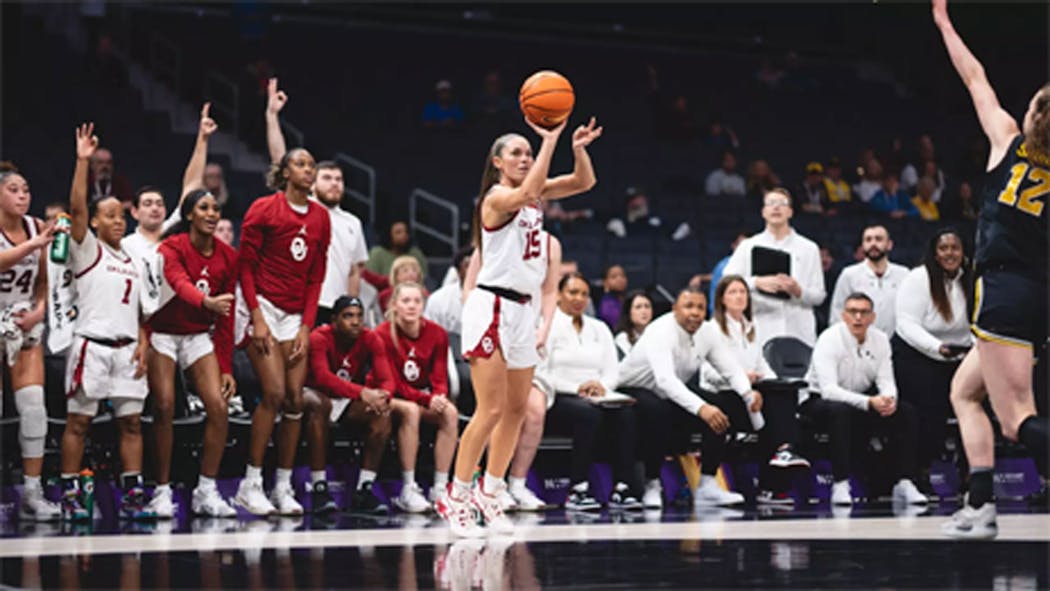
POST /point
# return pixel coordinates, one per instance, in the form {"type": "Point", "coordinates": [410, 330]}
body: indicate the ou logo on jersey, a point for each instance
{"type": "Point", "coordinates": [411, 370]}
{"type": "Point", "coordinates": [203, 286]}
{"type": "Point", "coordinates": [298, 249]}
{"type": "Point", "coordinates": [342, 374]}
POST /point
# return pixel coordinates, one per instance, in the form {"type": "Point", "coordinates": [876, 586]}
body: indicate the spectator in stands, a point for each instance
{"type": "Point", "coordinates": [51, 211]}
{"type": "Point", "coordinates": [933, 172]}
{"type": "Point", "coordinates": [342, 355]}
{"type": "Point", "coordinates": [445, 306]}
{"type": "Point", "coordinates": [636, 218]}
{"type": "Point", "coordinates": [875, 277]}
{"type": "Point", "coordinates": [720, 266]}
{"type": "Point", "coordinates": [720, 137]}
{"type": "Point", "coordinates": [442, 112]}
{"type": "Point", "coordinates": [636, 314]}
{"type": "Point", "coordinates": [655, 372]}
{"type": "Point", "coordinates": [557, 217]}
{"type": "Point", "coordinates": [783, 302]}
{"type": "Point", "coordinates": [725, 180]}
{"type": "Point", "coordinates": [923, 164]}
{"type": "Point", "coordinates": [417, 349]}
{"type": "Point", "coordinates": [614, 285]}
{"type": "Point", "coordinates": [870, 170]}
{"type": "Point", "coordinates": [224, 231]}
{"type": "Point", "coordinates": [966, 209]}
{"type": "Point", "coordinates": [405, 269]}
{"type": "Point", "coordinates": [892, 200]}
{"type": "Point", "coordinates": [924, 201]}
{"type": "Point", "coordinates": [933, 334]}
{"type": "Point", "coordinates": [837, 188]}
{"type": "Point", "coordinates": [104, 180]}
{"type": "Point", "coordinates": [812, 196]}
{"type": "Point", "coordinates": [492, 103]}
{"type": "Point", "coordinates": [581, 363]}
{"type": "Point", "coordinates": [215, 183]}
{"type": "Point", "coordinates": [768, 75]}
{"type": "Point", "coordinates": [734, 330]}
{"type": "Point", "coordinates": [852, 393]}
{"type": "Point", "coordinates": [396, 241]}
{"type": "Point", "coordinates": [347, 252]}
{"type": "Point", "coordinates": [760, 179]}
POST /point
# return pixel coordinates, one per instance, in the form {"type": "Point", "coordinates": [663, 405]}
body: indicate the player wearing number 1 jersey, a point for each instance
{"type": "Point", "coordinates": [1010, 308]}
{"type": "Point", "coordinates": [499, 323]}
{"type": "Point", "coordinates": [23, 302]}
{"type": "Point", "coordinates": [107, 360]}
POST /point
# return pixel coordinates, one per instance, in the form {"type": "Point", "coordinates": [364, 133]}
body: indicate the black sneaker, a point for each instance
{"type": "Point", "coordinates": [321, 500]}
{"type": "Point", "coordinates": [581, 501]}
{"type": "Point", "coordinates": [365, 501]}
{"type": "Point", "coordinates": [622, 499]}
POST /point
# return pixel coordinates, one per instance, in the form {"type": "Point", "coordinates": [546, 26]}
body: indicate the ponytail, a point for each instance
{"type": "Point", "coordinates": [489, 178]}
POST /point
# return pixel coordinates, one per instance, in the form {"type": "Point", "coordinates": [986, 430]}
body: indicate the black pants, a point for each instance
{"type": "Point", "coordinates": [849, 426]}
{"type": "Point", "coordinates": [926, 384]}
{"type": "Point", "coordinates": [665, 427]}
{"type": "Point", "coordinates": [586, 424]}
{"type": "Point", "coordinates": [779, 409]}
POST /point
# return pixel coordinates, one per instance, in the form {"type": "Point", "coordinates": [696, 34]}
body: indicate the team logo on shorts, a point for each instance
{"type": "Point", "coordinates": [298, 249]}
{"type": "Point", "coordinates": [487, 346]}
{"type": "Point", "coordinates": [342, 374]}
{"type": "Point", "coordinates": [203, 286]}
{"type": "Point", "coordinates": [411, 370]}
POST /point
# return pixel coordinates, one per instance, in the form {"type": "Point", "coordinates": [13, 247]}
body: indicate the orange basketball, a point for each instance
{"type": "Point", "coordinates": [546, 98]}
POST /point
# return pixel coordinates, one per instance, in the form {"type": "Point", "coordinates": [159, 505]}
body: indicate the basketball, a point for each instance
{"type": "Point", "coordinates": [546, 98]}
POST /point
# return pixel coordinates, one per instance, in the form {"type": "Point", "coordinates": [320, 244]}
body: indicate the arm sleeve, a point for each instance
{"type": "Point", "coordinates": [382, 375]}
{"type": "Point", "coordinates": [711, 184]}
{"type": "Point", "coordinates": [661, 360]}
{"type": "Point", "coordinates": [251, 239]}
{"type": "Point", "coordinates": [884, 381]}
{"type": "Point", "coordinates": [725, 362]}
{"type": "Point", "coordinates": [913, 296]}
{"type": "Point", "coordinates": [609, 360]}
{"type": "Point", "coordinates": [177, 276]}
{"type": "Point", "coordinates": [439, 364]}
{"type": "Point", "coordinates": [321, 375]}
{"type": "Point", "coordinates": [380, 282]}
{"type": "Point", "coordinates": [316, 276]}
{"type": "Point", "coordinates": [812, 280]}
{"type": "Point", "coordinates": [828, 378]}
{"type": "Point", "coordinates": [740, 264]}
{"type": "Point", "coordinates": [223, 338]}
{"type": "Point", "coordinates": [359, 255]}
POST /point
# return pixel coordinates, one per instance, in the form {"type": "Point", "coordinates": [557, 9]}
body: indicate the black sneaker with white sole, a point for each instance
{"type": "Point", "coordinates": [581, 501]}
{"type": "Point", "coordinates": [364, 501]}
{"type": "Point", "coordinates": [321, 501]}
{"type": "Point", "coordinates": [622, 499]}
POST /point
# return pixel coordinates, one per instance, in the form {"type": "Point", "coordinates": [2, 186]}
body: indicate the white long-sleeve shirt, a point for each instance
{"type": "Point", "coordinates": [748, 354]}
{"type": "Point", "coordinates": [577, 357]}
{"type": "Point", "coordinates": [776, 317]}
{"type": "Point", "coordinates": [666, 355]}
{"type": "Point", "coordinates": [843, 369]}
{"type": "Point", "coordinates": [445, 307]}
{"type": "Point", "coordinates": [882, 291]}
{"type": "Point", "coordinates": [622, 342]}
{"type": "Point", "coordinates": [920, 324]}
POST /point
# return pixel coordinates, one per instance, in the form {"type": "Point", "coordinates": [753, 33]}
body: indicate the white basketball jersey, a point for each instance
{"type": "Point", "coordinates": [514, 255]}
{"type": "Point", "coordinates": [109, 284]}
{"type": "Point", "coordinates": [16, 283]}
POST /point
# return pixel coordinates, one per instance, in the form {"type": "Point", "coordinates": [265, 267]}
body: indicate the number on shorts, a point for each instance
{"type": "Point", "coordinates": [532, 244]}
{"type": "Point", "coordinates": [1030, 199]}
{"type": "Point", "coordinates": [127, 291]}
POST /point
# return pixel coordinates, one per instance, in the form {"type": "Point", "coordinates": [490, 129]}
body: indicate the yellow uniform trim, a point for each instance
{"type": "Point", "coordinates": [985, 335]}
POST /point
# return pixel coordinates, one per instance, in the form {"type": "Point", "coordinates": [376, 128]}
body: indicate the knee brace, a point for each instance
{"type": "Point", "coordinates": [32, 420]}
{"type": "Point", "coordinates": [292, 416]}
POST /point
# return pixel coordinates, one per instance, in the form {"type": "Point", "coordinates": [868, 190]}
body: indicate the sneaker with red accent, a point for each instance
{"type": "Point", "coordinates": [460, 514]}
{"type": "Point", "coordinates": [491, 510]}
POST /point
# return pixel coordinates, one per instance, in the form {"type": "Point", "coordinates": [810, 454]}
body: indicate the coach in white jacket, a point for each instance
{"type": "Point", "coordinates": [805, 285]}
{"type": "Point", "coordinates": [671, 351]}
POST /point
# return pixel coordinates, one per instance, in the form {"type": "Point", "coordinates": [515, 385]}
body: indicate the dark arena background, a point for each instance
{"type": "Point", "coordinates": [704, 107]}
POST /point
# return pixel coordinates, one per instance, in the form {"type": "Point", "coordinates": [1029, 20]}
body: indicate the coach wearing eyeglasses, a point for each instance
{"type": "Point", "coordinates": [852, 395]}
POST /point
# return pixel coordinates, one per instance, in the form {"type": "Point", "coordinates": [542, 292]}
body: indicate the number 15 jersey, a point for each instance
{"type": "Point", "coordinates": [514, 255]}
{"type": "Point", "coordinates": [108, 286]}
{"type": "Point", "coordinates": [1012, 229]}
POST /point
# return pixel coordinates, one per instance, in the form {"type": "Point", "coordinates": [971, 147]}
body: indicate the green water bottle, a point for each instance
{"type": "Point", "coordinates": [60, 244]}
{"type": "Point", "coordinates": [87, 491]}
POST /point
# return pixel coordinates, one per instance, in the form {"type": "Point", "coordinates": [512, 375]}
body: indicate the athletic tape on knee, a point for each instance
{"type": "Point", "coordinates": [32, 420]}
{"type": "Point", "coordinates": [292, 416]}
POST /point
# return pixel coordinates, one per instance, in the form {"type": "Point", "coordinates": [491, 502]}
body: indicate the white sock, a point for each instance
{"type": "Point", "coordinates": [441, 480]}
{"type": "Point", "coordinates": [491, 484]}
{"type": "Point", "coordinates": [515, 483]}
{"type": "Point", "coordinates": [366, 477]}
{"type": "Point", "coordinates": [408, 476]}
{"type": "Point", "coordinates": [283, 478]}
{"type": "Point", "coordinates": [205, 482]}
{"type": "Point", "coordinates": [460, 489]}
{"type": "Point", "coordinates": [32, 483]}
{"type": "Point", "coordinates": [166, 487]}
{"type": "Point", "coordinates": [318, 476]}
{"type": "Point", "coordinates": [253, 474]}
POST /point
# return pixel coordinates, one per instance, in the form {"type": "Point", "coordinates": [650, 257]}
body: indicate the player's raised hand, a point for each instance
{"type": "Point", "coordinates": [87, 141]}
{"type": "Point", "coordinates": [585, 134]}
{"type": "Point", "coordinates": [208, 125]}
{"type": "Point", "coordinates": [276, 99]}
